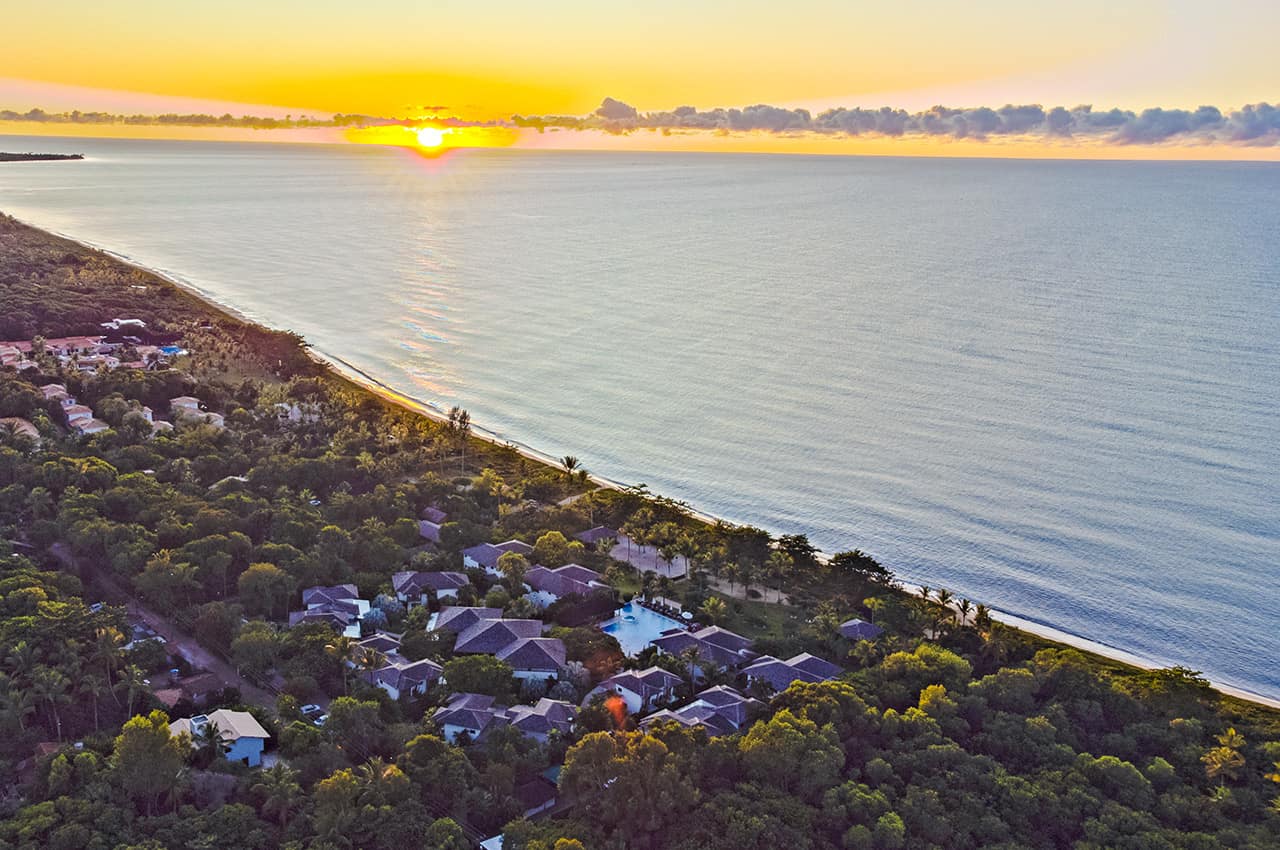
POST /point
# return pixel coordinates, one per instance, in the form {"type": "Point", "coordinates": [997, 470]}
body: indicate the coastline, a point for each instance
{"type": "Point", "coordinates": [354, 375]}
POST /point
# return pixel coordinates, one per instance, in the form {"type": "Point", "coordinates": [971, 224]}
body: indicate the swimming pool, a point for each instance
{"type": "Point", "coordinates": [634, 626]}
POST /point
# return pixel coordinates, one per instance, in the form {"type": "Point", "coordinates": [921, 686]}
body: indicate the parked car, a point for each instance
{"type": "Point", "coordinates": [311, 710]}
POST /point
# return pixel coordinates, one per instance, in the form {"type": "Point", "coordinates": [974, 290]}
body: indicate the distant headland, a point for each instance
{"type": "Point", "coordinates": [37, 157]}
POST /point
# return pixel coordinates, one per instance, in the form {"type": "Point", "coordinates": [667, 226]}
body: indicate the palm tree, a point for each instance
{"type": "Point", "coordinates": [134, 684]}
{"type": "Point", "coordinates": [746, 575]}
{"type": "Point", "coordinates": [93, 688]}
{"type": "Point", "coordinates": [714, 609]}
{"type": "Point", "coordinates": [570, 463]}
{"type": "Point", "coordinates": [17, 702]}
{"type": "Point", "coordinates": [982, 617]}
{"type": "Point", "coordinates": [50, 686]}
{"type": "Point", "coordinates": [874, 605]}
{"type": "Point", "coordinates": [341, 648]}
{"type": "Point", "coordinates": [1224, 761]}
{"type": "Point", "coordinates": [965, 607]}
{"type": "Point", "coordinates": [209, 742]}
{"type": "Point", "coordinates": [926, 592]}
{"type": "Point", "coordinates": [689, 660]}
{"type": "Point", "coordinates": [370, 659]}
{"type": "Point", "coordinates": [731, 574]}
{"type": "Point", "coordinates": [460, 431]}
{"type": "Point", "coordinates": [779, 566]}
{"type": "Point", "coordinates": [279, 791]}
{"type": "Point", "coordinates": [106, 651]}
{"type": "Point", "coordinates": [20, 660]}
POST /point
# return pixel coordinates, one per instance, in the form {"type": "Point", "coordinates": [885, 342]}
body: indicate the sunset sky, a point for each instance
{"type": "Point", "coordinates": [491, 60]}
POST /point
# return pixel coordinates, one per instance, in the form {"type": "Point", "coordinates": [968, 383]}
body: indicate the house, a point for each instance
{"type": "Point", "coordinates": [548, 585]}
{"type": "Point", "coordinates": [533, 657]}
{"type": "Point", "coordinates": [536, 796]}
{"type": "Point", "coordinates": [339, 605]}
{"type": "Point", "coordinates": [641, 690]}
{"type": "Point", "coordinates": [242, 736]}
{"type": "Point", "coordinates": [713, 644]}
{"type": "Point", "coordinates": [93, 362]}
{"type": "Point", "coordinates": [459, 618]}
{"type": "Point", "coordinates": [54, 392]}
{"type": "Point", "coordinates": [399, 676]}
{"type": "Point", "coordinates": [76, 411]}
{"type": "Point", "coordinates": [22, 426]}
{"type": "Point", "coordinates": [186, 407]}
{"type": "Point", "coordinates": [780, 674]}
{"type": "Point", "coordinates": [856, 630]}
{"type": "Point", "coordinates": [417, 588]}
{"type": "Point", "coordinates": [541, 720]}
{"type": "Point", "coordinates": [11, 355]}
{"type": "Point", "coordinates": [195, 688]}
{"type": "Point", "coordinates": [485, 556]}
{"type": "Point", "coordinates": [434, 515]}
{"type": "Point", "coordinates": [90, 426]}
{"type": "Point", "coordinates": [720, 710]}
{"type": "Point", "coordinates": [489, 637]}
{"type": "Point", "coordinates": [467, 716]}
{"type": "Point", "coordinates": [429, 530]}
{"type": "Point", "coordinates": [592, 536]}
{"type": "Point", "coordinates": [125, 324]}
{"type": "Point", "coordinates": [470, 716]}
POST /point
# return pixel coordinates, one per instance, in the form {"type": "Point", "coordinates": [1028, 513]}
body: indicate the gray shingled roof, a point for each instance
{"type": "Point", "coordinates": [491, 636]}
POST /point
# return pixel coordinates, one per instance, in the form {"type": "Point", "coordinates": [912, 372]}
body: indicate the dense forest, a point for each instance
{"type": "Point", "coordinates": [948, 731]}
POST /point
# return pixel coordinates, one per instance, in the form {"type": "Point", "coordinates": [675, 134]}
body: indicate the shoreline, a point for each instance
{"type": "Point", "coordinates": [353, 374]}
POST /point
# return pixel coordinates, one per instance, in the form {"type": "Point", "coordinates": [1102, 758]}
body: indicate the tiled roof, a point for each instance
{"type": "Point", "coordinates": [562, 581]}
{"type": "Point", "coordinates": [415, 582]}
{"type": "Point", "coordinates": [491, 636]}
{"type": "Point", "coordinates": [470, 711]}
{"type": "Point", "coordinates": [856, 629]}
{"type": "Point", "coordinates": [600, 532]}
{"type": "Point", "coordinates": [547, 716]}
{"type": "Point", "coordinates": [434, 515]}
{"type": "Point", "coordinates": [721, 710]}
{"type": "Point", "coordinates": [534, 654]}
{"type": "Point", "coordinates": [646, 683]}
{"type": "Point", "coordinates": [458, 618]}
{"type": "Point", "coordinates": [332, 593]}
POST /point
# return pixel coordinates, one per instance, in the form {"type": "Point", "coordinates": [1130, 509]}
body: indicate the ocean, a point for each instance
{"type": "Point", "coordinates": [1049, 386]}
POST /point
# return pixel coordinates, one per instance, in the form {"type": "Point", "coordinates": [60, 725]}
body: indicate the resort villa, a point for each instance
{"type": "Point", "coordinates": [547, 585]}
{"type": "Point", "coordinates": [418, 588]}
{"type": "Point", "coordinates": [339, 605]}
{"type": "Point", "coordinates": [855, 630]}
{"type": "Point", "coordinates": [485, 556]}
{"type": "Point", "coordinates": [720, 710]}
{"type": "Point", "coordinates": [641, 690]}
{"type": "Point", "coordinates": [800, 668]}
{"type": "Point", "coordinates": [469, 716]}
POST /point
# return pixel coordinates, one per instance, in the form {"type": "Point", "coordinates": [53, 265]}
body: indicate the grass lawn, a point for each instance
{"type": "Point", "coordinates": [755, 619]}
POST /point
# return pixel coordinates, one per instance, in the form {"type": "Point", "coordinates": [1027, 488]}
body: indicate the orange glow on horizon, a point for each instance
{"type": "Point", "coordinates": [433, 139]}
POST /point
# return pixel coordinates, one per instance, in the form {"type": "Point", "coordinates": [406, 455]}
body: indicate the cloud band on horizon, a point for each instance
{"type": "Point", "coordinates": [1255, 124]}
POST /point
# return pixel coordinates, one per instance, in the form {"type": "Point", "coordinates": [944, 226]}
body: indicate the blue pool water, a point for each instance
{"type": "Point", "coordinates": [635, 625]}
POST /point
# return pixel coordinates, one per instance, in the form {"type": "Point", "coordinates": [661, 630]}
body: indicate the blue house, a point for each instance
{"type": "Point", "coordinates": [242, 735]}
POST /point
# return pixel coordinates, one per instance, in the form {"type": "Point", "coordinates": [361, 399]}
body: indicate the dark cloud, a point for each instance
{"type": "Point", "coordinates": [1258, 124]}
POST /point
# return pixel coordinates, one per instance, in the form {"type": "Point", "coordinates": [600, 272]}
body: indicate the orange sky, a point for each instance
{"type": "Point", "coordinates": [490, 60]}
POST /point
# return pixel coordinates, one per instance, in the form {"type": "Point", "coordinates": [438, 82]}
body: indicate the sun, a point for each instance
{"type": "Point", "coordinates": [431, 137]}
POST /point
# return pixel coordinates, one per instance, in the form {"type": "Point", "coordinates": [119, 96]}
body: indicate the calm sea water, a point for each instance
{"type": "Point", "coordinates": [1051, 386]}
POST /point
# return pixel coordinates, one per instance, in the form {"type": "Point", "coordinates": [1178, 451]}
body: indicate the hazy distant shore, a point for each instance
{"type": "Point", "coordinates": [355, 376]}
{"type": "Point", "coordinates": [38, 157]}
